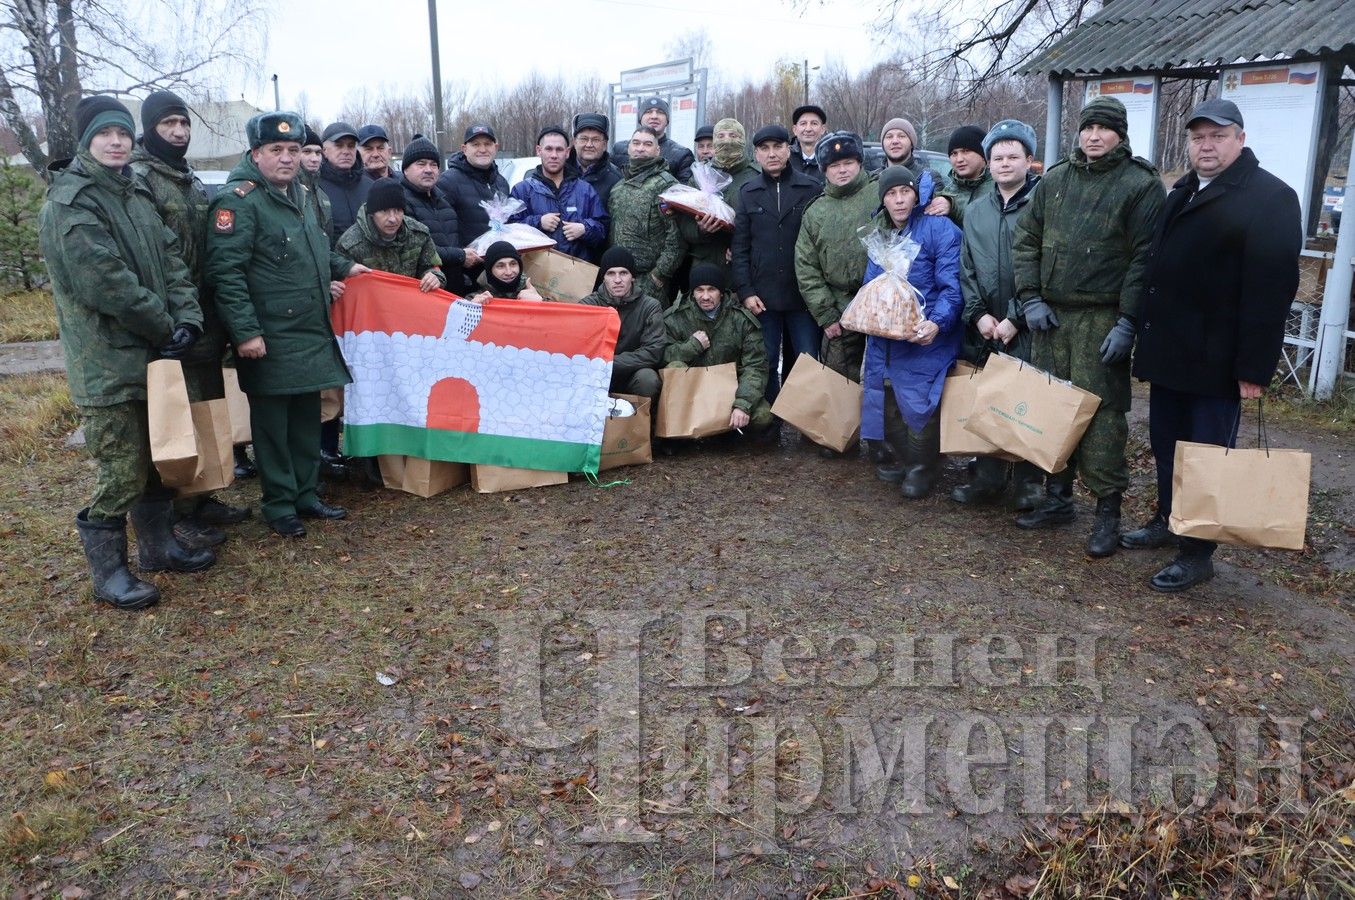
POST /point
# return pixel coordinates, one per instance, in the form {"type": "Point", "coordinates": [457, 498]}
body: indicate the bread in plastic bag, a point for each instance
{"type": "Point", "coordinates": [705, 199]}
{"type": "Point", "coordinates": [522, 236]}
{"type": "Point", "coordinates": [887, 305]}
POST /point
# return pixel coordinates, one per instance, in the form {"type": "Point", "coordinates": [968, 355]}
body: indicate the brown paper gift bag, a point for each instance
{"type": "Point", "coordinates": [957, 402]}
{"type": "Point", "coordinates": [1254, 497]}
{"type": "Point", "coordinates": [212, 423]}
{"type": "Point", "coordinates": [494, 479]}
{"type": "Point", "coordinates": [559, 276]}
{"type": "Point", "coordinates": [1028, 412]}
{"type": "Point", "coordinates": [331, 404]}
{"type": "Point", "coordinates": [239, 406]}
{"type": "Point", "coordinates": [174, 443]}
{"type": "Point", "coordinates": [823, 404]}
{"type": "Point", "coordinates": [625, 439]}
{"type": "Point", "coordinates": [421, 477]}
{"type": "Point", "coordinates": [696, 402]}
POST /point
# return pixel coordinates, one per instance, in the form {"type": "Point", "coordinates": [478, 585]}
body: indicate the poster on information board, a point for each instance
{"type": "Point", "coordinates": [1280, 108]}
{"type": "Point", "coordinates": [1139, 96]}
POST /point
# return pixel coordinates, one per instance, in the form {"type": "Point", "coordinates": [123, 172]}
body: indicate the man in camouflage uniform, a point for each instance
{"type": "Point", "coordinates": [969, 176]}
{"type": "Point", "coordinates": [274, 274]}
{"type": "Point", "coordinates": [181, 201]}
{"type": "Point", "coordinates": [1079, 257]}
{"type": "Point", "coordinates": [704, 238]}
{"type": "Point", "coordinates": [123, 298]}
{"type": "Point", "coordinates": [710, 327]}
{"type": "Point", "coordinates": [830, 260]}
{"type": "Point", "coordinates": [637, 222]}
{"type": "Point", "coordinates": [385, 238]}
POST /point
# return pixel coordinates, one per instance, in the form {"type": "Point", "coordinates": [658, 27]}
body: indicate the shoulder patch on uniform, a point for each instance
{"type": "Point", "coordinates": [244, 188]}
{"type": "Point", "coordinates": [1147, 164]}
{"type": "Point", "coordinates": [224, 223]}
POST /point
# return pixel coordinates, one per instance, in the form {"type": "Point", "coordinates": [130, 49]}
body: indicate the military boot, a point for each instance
{"type": "Point", "coordinates": [987, 484]}
{"type": "Point", "coordinates": [924, 467]}
{"type": "Point", "coordinates": [105, 545]}
{"type": "Point", "coordinates": [1057, 508]}
{"type": "Point", "coordinates": [1149, 536]}
{"type": "Point", "coordinates": [1105, 537]}
{"type": "Point", "coordinates": [193, 533]}
{"type": "Point", "coordinates": [157, 550]}
{"type": "Point", "coordinates": [1183, 573]}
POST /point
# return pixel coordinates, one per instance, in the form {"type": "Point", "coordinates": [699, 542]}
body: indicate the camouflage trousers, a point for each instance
{"type": "Point", "coordinates": [119, 440]}
{"type": "Point", "coordinates": [1072, 352]}
{"type": "Point", "coordinates": [844, 354]}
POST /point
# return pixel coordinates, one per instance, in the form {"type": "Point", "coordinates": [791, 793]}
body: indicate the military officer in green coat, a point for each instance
{"type": "Point", "coordinates": [710, 327]}
{"type": "Point", "coordinates": [123, 298]}
{"type": "Point", "coordinates": [1079, 256]}
{"type": "Point", "coordinates": [274, 274]}
{"type": "Point", "coordinates": [181, 201]}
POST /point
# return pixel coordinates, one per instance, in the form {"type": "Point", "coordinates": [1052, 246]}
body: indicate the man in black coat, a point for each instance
{"type": "Point", "coordinates": [590, 156]}
{"type": "Point", "coordinates": [654, 113]}
{"type": "Point", "coordinates": [427, 204]}
{"type": "Point", "coordinates": [809, 122]}
{"type": "Point", "coordinates": [1222, 274]}
{"type": "Point", "coordinates": [471, 177]}
{"type": "Point", "coordinates": [766, 224]}
{"type": "Point", "coordinates": [342, 177]}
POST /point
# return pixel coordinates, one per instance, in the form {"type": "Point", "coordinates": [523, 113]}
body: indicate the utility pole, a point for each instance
{"type": "Point", "coordinates": [806, 73]}
{"type": "Point", "coordinates": [277, 98]}
{"type": "Point", "coordinates": [439, 127]}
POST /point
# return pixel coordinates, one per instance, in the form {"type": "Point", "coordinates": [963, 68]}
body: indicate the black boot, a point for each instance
{"type": "Point", "coordinates": [244, 466]}
{"type": "Point", "coordinates": [1149, 536]}
{"type": "Point", "coordinates": [1184, 572]}
{"type": "Point", "coordinates": [1105, 537]}
{"type": "Point", "coordinates": [1057, 508]}
{"type": "Point", "coordinates": [986, 485]}
{"type": "Point", "coordinates": [195, 534]}
{"type": "Point", "coordinates": [106, 552]}
{"type": "Point", "coordinates": [213, 511]}
{"type": "Point", "coordinates": [924, 466]}
{"type": "Point", "coordinates": [156, 548]}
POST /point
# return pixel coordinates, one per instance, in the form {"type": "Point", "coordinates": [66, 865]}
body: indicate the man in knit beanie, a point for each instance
{"type": "Point", "coordinates": [900, 143]}
{"type": "Point", "coordinates": [969, 170]}
{"type": "Point", "coordinates": [123, 299]}
{"type": "Point", "coordinates": [181, 201]}
{"type": "Point", "coordinates": [385, 238]}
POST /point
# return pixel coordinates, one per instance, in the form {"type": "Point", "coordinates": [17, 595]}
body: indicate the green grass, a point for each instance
{"type": "Point", "coordinates": [27, 316]}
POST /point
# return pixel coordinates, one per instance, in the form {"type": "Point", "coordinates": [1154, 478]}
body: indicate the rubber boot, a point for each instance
{"type": "Point", "coordinates": [924, 467]}
{"type": "Point", "coordinates": [987, 484]}
{"type": "Point", "coordinates": [1105, 537]}
{"type": "Point", "coordinates": [105, 545]}
{"type": "Point", "coordinates": [156, 548]}
{"type": "Point", "coordinates": [1057, 508]}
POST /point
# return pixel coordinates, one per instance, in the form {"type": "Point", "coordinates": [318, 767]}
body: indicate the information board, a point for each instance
{"type": "Point", "coordinates": [1280, 110]}
{"type": "Point", "coordinates": [1139, 96]}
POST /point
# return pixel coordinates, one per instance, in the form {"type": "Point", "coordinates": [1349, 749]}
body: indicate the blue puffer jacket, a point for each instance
{"type": "Point", "coordinates": [917, 373]}
{"type": "Point", "coordinates": [575, 201]}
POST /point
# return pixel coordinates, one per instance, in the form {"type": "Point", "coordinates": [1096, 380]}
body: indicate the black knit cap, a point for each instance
{"type": "Point", "coordinates": [158, 106]}
{"type": "Point", "coordinates": [967, 137]}
{"type": "Point", "coordinates": [385, 193]}
{"type": "Point", "coordinates": [419, 148]}
{"type": "Point", "coordinates": [99, 111]}
{"type": "Point", "coordinates": [707, 273]}
{"type": "Point", "coordinates": [312, 138]}
{"type": "Point", "coordinates": [615, 258]}
{"type": "Point", "coordinates": [501, 250]}
{"type": "Point", "coordinates": [893, 176]}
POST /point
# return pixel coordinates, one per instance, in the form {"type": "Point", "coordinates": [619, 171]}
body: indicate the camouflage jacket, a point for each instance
{"type": "Point", "coordinates": [830, 261]}
{"type": "Point", "coordinates": [639, 225]}
{"type": "Point", "coordinates": [701, 246]}
{"type": "Point", "coordinates": [1084, 237]}
{"type": "Point", "coordinates": [735, 337]}
{"type": "Point", "coordinates": [962, 191]}
{"type": "Point", "coordinates": [410, 252]}
{"type": "Point", "coordinates": [118, 279]}
{"type": "Point", "coordinates": [271, 265]}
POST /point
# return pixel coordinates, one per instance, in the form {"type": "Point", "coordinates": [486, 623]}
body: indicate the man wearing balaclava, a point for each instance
{"type": "Point", "coordinates": [705, 239]}
{"type": "Point", "coordinates": [181, 200]}
{"type": "Point", "coordinates": [1079, 258]}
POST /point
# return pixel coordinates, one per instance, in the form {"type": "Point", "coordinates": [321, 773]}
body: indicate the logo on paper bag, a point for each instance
{"type": "Point", "coordinates": [1021, 408]}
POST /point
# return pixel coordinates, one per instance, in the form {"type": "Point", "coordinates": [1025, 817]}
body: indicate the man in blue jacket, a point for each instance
{"type": "Point", "coordinates": [559, 202]}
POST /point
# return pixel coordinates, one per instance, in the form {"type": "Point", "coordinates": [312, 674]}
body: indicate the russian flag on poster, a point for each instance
{"type": "Point", "coordinates": [1143, 87]}
{"type": "Point", "coordinates": [1302, 77]}
{"type": "Point", "coordinates": [512, 383]}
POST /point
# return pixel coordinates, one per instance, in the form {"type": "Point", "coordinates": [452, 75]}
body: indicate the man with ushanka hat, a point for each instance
{"type": "Point", "coordinates": [274, 275]}
{"type": "Point", "coordinates": [123, 299]}
{"type": "Point", "coordinates": [709, 327]}
{"type": "Point", "coordinates": [1079, 259]}
{"type": "Point", "coordinates": [704, 238]}
{"type": "Point", "coordinates": [830, 260]}
{"type": "Point", "coordinates": [641, 340]}
{"type": "Point", "coordinates": [181, 201]}
{"type": "Point", "coordinates": [385, 238]}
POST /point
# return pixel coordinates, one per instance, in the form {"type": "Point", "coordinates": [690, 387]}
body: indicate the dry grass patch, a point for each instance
{"type": "Point", "coordinates": [35, 413]}
{"type": "Point", "coordinates": [27, 316]}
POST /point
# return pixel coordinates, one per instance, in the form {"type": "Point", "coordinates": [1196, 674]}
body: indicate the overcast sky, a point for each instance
{"type": "Point", "coordinates": [328, 50]}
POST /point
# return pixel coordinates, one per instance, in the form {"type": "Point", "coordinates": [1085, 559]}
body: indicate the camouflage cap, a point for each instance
{"type": "Point", "coordinates": [1106, 111]}
{"type": "Point", "coordinates": [269, 127]}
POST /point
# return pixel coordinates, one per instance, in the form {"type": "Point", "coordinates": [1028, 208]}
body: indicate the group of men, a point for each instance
{"type": "Point", "coordinates": [1069, 271]}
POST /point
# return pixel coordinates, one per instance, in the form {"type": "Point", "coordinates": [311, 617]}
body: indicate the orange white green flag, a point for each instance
{"type": "Point", "coordinates": [511, 383]}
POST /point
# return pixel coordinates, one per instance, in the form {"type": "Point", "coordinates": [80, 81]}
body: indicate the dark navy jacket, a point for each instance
{"type": "Point", "coordinates": [347, 191]}
{"type": "Point", "coordinates": [435, 212]}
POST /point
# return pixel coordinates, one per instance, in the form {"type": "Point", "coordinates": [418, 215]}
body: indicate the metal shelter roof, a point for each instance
{"type": "Point", "coordinates": [1159, 35]}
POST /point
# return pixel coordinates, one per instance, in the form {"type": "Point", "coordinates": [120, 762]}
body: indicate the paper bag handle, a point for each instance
{"type": "Point", "coordinates": [1262, 435]}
